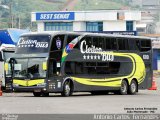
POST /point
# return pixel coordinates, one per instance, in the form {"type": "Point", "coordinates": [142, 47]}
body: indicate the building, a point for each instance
{"type": "Point", "coordinates": [119, 21]}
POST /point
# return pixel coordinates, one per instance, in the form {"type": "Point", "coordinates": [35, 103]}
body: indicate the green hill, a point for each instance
{"type": "Point", "coordinates": [21, 9]}
{"type": "Point", "coordinates": [98, 4]}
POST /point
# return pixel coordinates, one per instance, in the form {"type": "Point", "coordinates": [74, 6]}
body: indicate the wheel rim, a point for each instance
{"type": "Point", "coordinates": [67, 89]}
{"type": "Point", "coordinates": [133, 87]}
{"type": "Point", "coordinates": [124, 88]}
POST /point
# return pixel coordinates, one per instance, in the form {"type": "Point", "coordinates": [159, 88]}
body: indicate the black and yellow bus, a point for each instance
{"type": "Point", "coordinates": [67, 62]}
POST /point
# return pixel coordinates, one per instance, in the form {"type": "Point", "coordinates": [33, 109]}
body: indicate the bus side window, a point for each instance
{"type": "Point", "coordinates": [57, 42]}
{"type": "Point", "coordinates": [89, 41]}
{"type": "Point", "coordinates": [145, 45]}
{"type": "Point", "coordinates": [70, 38]}
{"type": "Point", "coordinates": [108, 46]}
{"type": "Point", "coordinates": [122, 44]}
{"type": "Point", "coordinates": [95, 42]}
{"type": "Point", "coordinates": [113, 43]}
{"type": "Point", "coordinates": [110, 43]}
{"type": "Point", "coordinates": [79, 68]}
{"type": "Point", "coordinates": [102, 43]}
{"type": "Point", "coordinates": [98, 42]}
{"type": "Point", "coordinates": [133, 44]}
{"type": "Point", "coordinates": [69, 68]}
{"type": "Point", "coordinates": [137, 45]}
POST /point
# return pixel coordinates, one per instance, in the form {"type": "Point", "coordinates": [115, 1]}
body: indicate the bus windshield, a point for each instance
{"type": "Point", "coordinates": [32, 68]}
{"type": "Point", "coordinates": [33, 44]}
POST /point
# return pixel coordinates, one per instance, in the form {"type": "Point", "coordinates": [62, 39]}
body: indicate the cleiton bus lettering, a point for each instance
{"type": "Point", "coordinates": [87, 49]}
{"type": "Point", "coordinates": [41, 45]}
{"type": "Point", "coordinates": [108, 57]}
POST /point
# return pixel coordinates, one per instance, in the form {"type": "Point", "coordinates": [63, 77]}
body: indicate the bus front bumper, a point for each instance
{"type": "Point", "coordinates": [29, 89]}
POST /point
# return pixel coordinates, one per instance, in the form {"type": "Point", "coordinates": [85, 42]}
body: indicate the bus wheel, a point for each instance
{"type": "Point", "coordinates": [124, 88]}
{"type": "Point", "coordinates": [66, 89]}
{"type": "Point", "coordinates": [133, 87]}
{"type": "Point", "coordinates": [37, 94]}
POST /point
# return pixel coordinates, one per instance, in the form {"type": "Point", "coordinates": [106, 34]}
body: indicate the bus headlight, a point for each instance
{"type": "Point", "coordinates": [41, 85]}
{"type": "Point", "coordinates": [15, 85]}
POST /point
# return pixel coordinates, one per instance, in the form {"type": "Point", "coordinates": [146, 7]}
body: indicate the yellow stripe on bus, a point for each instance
{"type": "Point", "coordinates": [138, 73]}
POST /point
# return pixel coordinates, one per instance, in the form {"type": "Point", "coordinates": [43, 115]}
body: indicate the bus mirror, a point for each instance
{"type": "Point", "coordinates": [6, 66]}
{"type": "Point", "coordinates": [44, 66]}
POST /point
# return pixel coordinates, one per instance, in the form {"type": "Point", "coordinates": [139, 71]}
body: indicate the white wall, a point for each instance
{"type": "Point", "coordinates": [79, 26]}
{"type": "Point", "coordinates": [95, 15]}
{"type": "Point", "coordinates": [114, 26]}
{"type": "Point", "coordinates": [40, 26]}
{"type": "Point", "coordinates": [134, 15]}
{"type": "Point", "coordinates": [134, 25]}
{"type": "Point", "coordinates": [108, 17]}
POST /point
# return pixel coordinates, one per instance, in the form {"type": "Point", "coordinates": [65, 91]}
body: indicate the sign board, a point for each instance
{"type": "Point", "coordinates": [55, 16]}
{"type": "Point", "coordinates": [130, 33]}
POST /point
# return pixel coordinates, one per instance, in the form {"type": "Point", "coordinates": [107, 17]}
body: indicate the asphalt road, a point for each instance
{"type": "Point", "coordinates": [81, 103]}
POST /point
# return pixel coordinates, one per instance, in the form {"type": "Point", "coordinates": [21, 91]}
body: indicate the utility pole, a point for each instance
{"type": "Point", "coordinates": [11, 17]}
{"type": "Point", "coordinates": [19, 22]}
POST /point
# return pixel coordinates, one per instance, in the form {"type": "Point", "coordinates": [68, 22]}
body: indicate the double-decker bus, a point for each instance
{"type": "Point", "coordinates": [67, 62]}
{"type": "Point", "coordinates": [6, 52]}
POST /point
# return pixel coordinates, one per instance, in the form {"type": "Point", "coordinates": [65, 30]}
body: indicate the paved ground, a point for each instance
{"type": "Point", "coordinates": [79, 103]}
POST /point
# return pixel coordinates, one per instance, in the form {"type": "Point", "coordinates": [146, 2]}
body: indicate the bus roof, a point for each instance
{"type": "Point", "coordinates": [52, 33]}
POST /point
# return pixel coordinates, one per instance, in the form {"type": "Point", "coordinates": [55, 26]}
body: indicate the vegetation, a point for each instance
{"type": "Point", "coordinates": [20, 10]}
{"type": "Point", "coordinates": [98, 4]}
{"type": "Point", "coordinates": [17, 13]}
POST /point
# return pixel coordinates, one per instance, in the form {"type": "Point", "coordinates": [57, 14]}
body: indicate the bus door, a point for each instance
{"type": "Point", "coordinates": [54, 73]}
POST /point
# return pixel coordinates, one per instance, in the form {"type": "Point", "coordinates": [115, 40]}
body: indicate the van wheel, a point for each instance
{"type": "Point", "coordinates": [124, 88]}
{"type": "Point", "coordinates": [66, 89]}
{"type": "Point", "coordinates": [37, 94]}
{"type": "Point", "coordinates": [133, 87]}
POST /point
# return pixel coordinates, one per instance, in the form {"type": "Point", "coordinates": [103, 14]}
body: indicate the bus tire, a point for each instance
{"type": "Point", "coordinates": [133, 88]}
{"type": "Point", "coordinates": [66, 89]}
{"type": "Point", "coordinates": [124, 88]}
{"type": "Point", "coordinates": [37, 94]}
